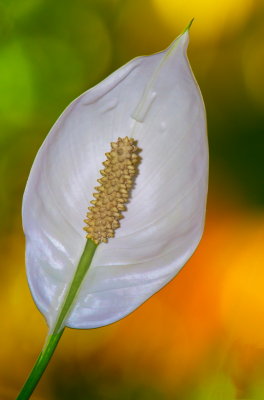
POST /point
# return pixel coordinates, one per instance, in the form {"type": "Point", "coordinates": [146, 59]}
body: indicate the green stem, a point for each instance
{"type": "Point", "coordinates": [81, 270]}
{"type": "Point", "coordinates": [40, 366]}
{"type": "Point", "coordinates": [54, 337]}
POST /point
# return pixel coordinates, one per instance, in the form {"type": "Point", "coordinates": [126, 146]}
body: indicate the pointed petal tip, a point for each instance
{"type": "Point", "coordinates": [184, 36]}
{"type": "Point", "coordinates": [188, 26]}
{"type": "Point", "coordinates": [182, 39]}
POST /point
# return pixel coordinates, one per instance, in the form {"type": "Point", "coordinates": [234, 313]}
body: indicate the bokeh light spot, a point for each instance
{"type": "Point", "coordinates": [212, 19]}
{"type": "Point", "coordinates": [242, 295]}
{"type": "Point", "coordinates": [254, 66]}
{"type": "Point", "coordinates": [19, 9]}
{"type": "Point", "coordinates": [216, 387]}
{"type": "Point", "coordinates": [140, 30]}
{"type": "Point", "coordinates": [65, 62]}
{"type": "Point", "coordinates": [16, 87]}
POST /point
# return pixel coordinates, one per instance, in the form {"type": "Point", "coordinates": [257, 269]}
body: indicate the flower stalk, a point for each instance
{"type": "Point", "coordinates": [54, 337]}
{"type": "Point", "coordinates": [40, 366]}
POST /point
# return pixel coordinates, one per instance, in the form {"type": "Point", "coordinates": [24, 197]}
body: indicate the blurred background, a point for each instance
{"type": "Point", "coordinates": [202, 336]}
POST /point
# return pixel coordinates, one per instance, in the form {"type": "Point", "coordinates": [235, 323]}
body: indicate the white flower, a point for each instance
{"type": "Point", "coordinates": [156, 101]}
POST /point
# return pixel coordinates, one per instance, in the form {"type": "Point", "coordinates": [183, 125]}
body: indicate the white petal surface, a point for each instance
{"type": "Point", "coordinates": [155, 100]}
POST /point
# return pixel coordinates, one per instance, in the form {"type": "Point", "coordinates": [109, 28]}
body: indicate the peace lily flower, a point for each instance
{"type": "Point", "coordinates": [153, 104]}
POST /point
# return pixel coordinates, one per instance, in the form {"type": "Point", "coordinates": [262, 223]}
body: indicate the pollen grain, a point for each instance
{"type": "Point", "coordinates": [111, 196]}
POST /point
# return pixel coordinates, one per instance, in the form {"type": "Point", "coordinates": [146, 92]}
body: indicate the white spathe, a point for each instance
{"type": "Point", "coordinates": [156, 101]}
